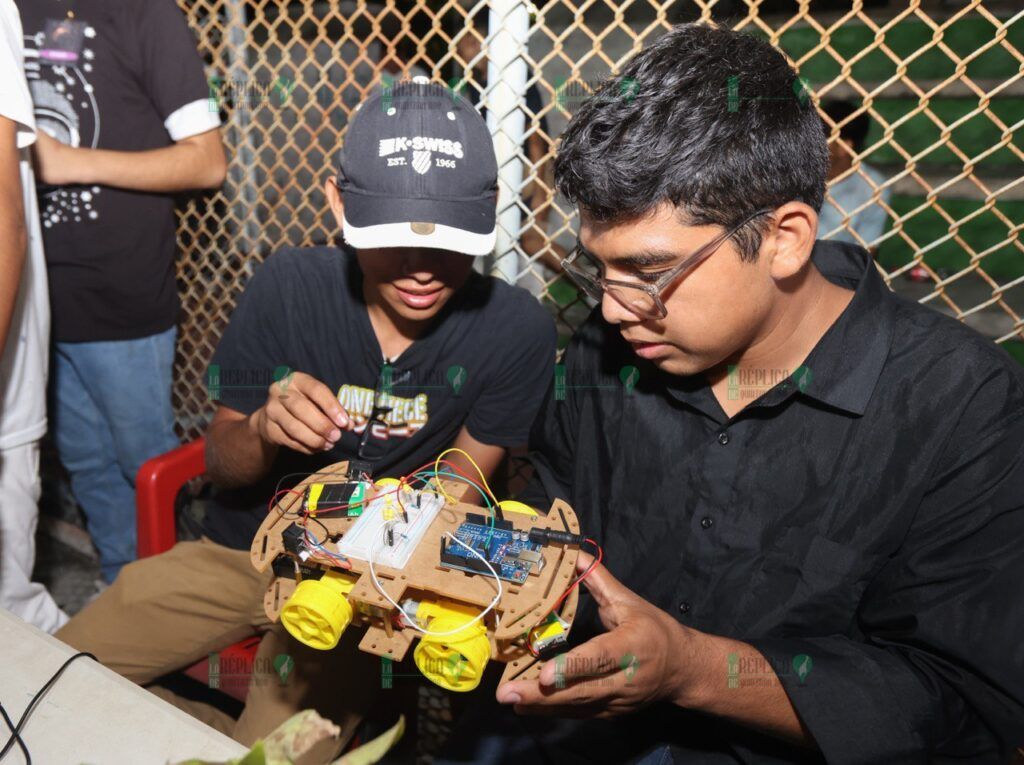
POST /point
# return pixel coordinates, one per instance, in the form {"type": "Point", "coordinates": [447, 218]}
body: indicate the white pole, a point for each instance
{"type": "Point", "coordinates": [245, 194]}
{"type": "Point", "coordinates": [506, 45]}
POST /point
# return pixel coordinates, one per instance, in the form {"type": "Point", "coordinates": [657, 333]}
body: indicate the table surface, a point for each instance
{"type": "Point", "coordinates": [91, 715]}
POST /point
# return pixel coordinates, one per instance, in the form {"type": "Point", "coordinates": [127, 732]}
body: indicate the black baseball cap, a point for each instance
{"type": "Point", "coordinates": [418, 170]}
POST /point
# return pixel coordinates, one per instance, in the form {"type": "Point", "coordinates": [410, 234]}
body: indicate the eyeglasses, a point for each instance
{"type": "Point", "coordinates": [642, 300]}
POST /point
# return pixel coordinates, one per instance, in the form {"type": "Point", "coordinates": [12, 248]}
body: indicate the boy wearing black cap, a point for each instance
{"type": "Point", "coordinates": [393, 353]}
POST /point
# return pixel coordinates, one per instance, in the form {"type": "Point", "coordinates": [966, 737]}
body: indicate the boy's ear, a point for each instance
{"type": "Point", "coordinates": [335, 200]}
{"type": "Point", "coordinates": [792, 239]}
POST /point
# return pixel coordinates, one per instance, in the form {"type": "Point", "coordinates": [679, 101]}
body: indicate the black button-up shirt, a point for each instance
{"type": "Point", "coordinates": [865, 510]}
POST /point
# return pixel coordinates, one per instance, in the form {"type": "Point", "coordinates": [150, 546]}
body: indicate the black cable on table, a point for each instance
{"type": "Point", "coordinates": [16, 729]}
{"type": "Point", "coordinates": [17, 736]}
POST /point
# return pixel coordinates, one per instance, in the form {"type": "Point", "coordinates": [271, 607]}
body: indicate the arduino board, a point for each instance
{"type": "Point", "coordinates": [511, 553]}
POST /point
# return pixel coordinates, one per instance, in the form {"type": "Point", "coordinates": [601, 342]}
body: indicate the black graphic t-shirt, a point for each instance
{"type": "Point", "coordinates": [484, 364]}
{"type": "Point", "coordinates": [122, 75]}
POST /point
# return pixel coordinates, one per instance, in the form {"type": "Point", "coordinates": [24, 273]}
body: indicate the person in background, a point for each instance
{"type": "Point", "coordinates": [125, 121]}
{"type": "Point", "coordinates": [397, 51]}
{"type": "Point", "coordinates": [24, 340]}
{"type": "Point", "coordinates": [538, 194]}
{"type": "Point", "coordinates": [855, 188]}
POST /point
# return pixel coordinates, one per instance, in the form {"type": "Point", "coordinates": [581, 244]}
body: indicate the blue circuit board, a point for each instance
{"type": "Point", "coordinates": [509, 551]}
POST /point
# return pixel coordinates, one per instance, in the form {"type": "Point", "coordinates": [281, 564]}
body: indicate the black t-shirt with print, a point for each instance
{"type": "Point", "coordinates": [485, 364]}
{"type": "Point", "coordinates": [109, 252]}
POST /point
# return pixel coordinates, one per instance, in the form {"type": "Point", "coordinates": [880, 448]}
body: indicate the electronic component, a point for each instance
{"type": "Point", "coordinates": [489, 596]}
{"type": "Point", "coordinates": [325, 497]}
{"type": "Point", "coordinates": [513, 556]}
{"type": "Point", "coordinates": [359, 470]}
{"type": "Point", "coordinates": [295, 542]}
{"type": "Point", "coordinates": [293, 539]}
{"type": "Point", "coordinates": [549, 636]}
{"type": "Point", "coordinates": [287, 567]}
{"type": "Point", "coordinates": [530, 555]}
{"type": "Point", "coordinates": [552, 537]}
{"type": "Point", "coordinates": [483, 520]}
{"type": "Point", "coordinates": [383, 515]}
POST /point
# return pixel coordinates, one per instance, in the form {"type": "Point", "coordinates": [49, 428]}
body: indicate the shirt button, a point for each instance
{"type": "Point", "coordinates": [684, 607]}
{"type": "Point", "coordinates": [706, 523]}
{"type": "Point", "coordinates": [723, 438]}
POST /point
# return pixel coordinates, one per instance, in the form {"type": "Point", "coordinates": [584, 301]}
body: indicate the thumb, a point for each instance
{"type": "Point", "coordinates": [605, 588]}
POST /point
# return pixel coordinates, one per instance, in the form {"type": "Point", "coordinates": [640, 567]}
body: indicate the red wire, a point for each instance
{"type": "Point", "coordinates": [274, 500]}
{"type": "Point", "coordinates": [402, 482]}
{"type": "Point", "coordinates": [593, 564]}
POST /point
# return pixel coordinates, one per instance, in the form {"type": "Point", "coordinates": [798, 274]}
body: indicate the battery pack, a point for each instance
{"type": "Point", "coordinates": [330, 497]}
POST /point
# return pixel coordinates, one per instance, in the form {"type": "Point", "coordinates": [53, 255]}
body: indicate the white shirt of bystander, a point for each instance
{"type": "Point", "coordinates": [23, 367]}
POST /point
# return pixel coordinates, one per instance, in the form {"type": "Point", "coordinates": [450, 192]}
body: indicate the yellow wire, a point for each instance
{"type": "Point", "coordinates": [483, 478]}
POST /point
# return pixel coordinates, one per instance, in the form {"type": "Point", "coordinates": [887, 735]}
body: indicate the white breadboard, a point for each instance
{"type": "Point", "coordinates": [367, 533]}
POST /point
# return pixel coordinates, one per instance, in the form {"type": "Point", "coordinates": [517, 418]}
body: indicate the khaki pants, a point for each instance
{"type": "Point", "coordinates": [167, 612]}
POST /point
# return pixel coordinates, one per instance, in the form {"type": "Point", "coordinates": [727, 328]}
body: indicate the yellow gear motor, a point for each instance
{"type": "Point", "coordinates": [453, 661]}
{"type": "Point", "coordinates": [318, 611]}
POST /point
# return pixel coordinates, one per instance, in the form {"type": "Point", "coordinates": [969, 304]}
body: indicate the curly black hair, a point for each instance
{"type": "Point", "coordinates": [715, 122]}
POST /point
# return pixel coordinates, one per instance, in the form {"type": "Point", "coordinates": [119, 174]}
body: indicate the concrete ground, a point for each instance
{"type": "Point", "coordinates": [66, 561]}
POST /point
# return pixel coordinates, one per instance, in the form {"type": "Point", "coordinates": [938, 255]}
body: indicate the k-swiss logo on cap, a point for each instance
{"type": "Point", "coordinates": [421, 161]}
{"type": "Point", "coordinates": [423, 151]}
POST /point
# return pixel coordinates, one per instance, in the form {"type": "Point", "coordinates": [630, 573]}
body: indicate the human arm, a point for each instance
{"type": "Point", "coordinates": [300, 413]}
{"type": "Point", "coordinates": [539, 196]}
{"type": "Point", "coordinates": [13, 234]}
{"type": "Point", "coordinates": [538, 191]}
{"type": "Point", "coordinates": [646, 656]}
{"type": "Point", "coordinates": [486, 456]}
{"type": "Point", "coordinates": [263, 404]}
{"type": "Point", "coordinates": [195, 162]}
{"type": "Point", "coordinates": [160, 49]}
{"type": "Point", "coordinates": [934, 667]}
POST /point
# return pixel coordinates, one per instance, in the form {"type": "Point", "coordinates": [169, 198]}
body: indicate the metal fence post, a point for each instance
{"type": "Point", "coordinates": [507, 38]}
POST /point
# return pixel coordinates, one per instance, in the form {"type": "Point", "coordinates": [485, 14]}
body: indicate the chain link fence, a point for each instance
{"type": "Point", "coordinates": [943, 89]}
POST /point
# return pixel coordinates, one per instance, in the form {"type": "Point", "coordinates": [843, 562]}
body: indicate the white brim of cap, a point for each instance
{"type": "Point", "coordinates": [402, 235]}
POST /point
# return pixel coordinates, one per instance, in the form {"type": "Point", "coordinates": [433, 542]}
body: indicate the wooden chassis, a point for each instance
{"type": "Point", "coordinates": [520, 607]}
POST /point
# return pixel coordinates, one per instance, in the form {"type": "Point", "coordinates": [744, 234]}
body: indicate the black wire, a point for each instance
{"type": "Point", "coordinates": [327, 533]}
{"type": "Point", "coordinates": [16, 736]}
{"type": "Point", "coordinates": [16, 729]}
{"type": "Point", "coordinates": [301, 476]}
{"type": "Point", "coordinates": [282, 513]}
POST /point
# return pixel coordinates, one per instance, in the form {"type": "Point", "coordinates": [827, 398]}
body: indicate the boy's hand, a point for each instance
{"type": "Point", "coordinates": [645, 656]}
{"type": "Point", "coordinates": [302, 414]}
{"type": "Point", "coordinates": [56, 163]}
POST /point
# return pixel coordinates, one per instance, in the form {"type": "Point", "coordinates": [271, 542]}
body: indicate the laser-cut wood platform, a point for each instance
{"type": "Point", "coordinates": [423, 578]}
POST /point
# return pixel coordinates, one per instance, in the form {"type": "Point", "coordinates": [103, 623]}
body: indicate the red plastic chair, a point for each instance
{"type": "Point", "coordinates": [156, 488]}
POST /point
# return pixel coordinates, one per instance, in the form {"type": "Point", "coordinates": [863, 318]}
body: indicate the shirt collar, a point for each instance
{"type": "Point", "coordinates": [843, 369]}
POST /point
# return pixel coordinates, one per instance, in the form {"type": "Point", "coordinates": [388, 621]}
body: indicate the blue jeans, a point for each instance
{"type": "Point", "coordinates": [110, 411]}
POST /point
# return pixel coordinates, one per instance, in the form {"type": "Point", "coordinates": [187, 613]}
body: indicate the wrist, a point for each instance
{"type": "Point", "coordinates": [701, 668]}
{"type": "Point", "coordinates": [254, 425]}
{"type": "Point", "coordinates": [75, 162]}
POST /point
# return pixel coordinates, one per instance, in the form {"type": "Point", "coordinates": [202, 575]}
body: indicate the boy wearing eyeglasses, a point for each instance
{"type": "Point", "coordinates": [810, 497]}
{"type": "Point", "coordinates": [388, 351]}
